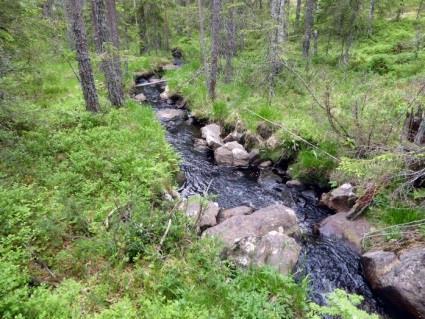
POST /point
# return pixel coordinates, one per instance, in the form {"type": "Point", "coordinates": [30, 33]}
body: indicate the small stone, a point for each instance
{"type": "Point", "coordinates": [265, 164]}
{"type": "Point", "coordinates": [209, 215]}
{"type": "Point", "coordinates": [294, 183]}
{"type": "Point", "coordinates": [200, 145]}
{"type": "Point", "coordinates": [265, 130]}
{"type": "Point", "coordinates": [140, 97]}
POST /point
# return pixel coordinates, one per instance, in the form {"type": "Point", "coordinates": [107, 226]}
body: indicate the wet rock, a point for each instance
{"type": "Point", "coordinates": [232, 154]}
{"type": "Point", "coordinates": [265, 164]}
{"type": "Point", "coordinates": [140, 77]}
{"type": "Point", "coordinates": [350, 230]}
{"type": "Point", "coordinates": [288, 198]}
{"type": "Point", "coordinates": [294, 183]}
{"type": "Point", "coordinates": [167, 115]}
{"type": "Point", "coordinates": [235, 136]}
{"type": "Point", "coordinates": [235, 211]}
{"type": "Point", "coordinates": [399, 278]}
{"type": "Point", "coordinates": [140, 97]}
{"type": "Point", "coordinates": [259, 223]}
{"type": "Point", "coordinates": [200, 145]}
{"type": "Point", "coordinates": [265, 130]}
{"type": "Point", "coordinates": [340, 199]}
{"type": "Point", "coordinates": [309, 194]}
{"type": "Point", "coordinates": [164, 95]}
{"type": "Point", "coordinates": [254, 156]}
{"type": "Point", "coordinates": [268, 178]}
{"type": "Point", "coordinates": [211, 133]}
{"type": "Point", "coordinates": [274, 249]}
{"type": "Point", "coordinates": [209, 215]}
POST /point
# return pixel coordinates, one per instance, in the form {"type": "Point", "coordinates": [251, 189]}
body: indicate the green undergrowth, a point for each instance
{"type": "Point", "coordinates": [369, 97]}
{"type": "Point", "coordinates": [84, 226]}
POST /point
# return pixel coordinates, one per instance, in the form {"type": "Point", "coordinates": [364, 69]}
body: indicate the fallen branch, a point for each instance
{"type": "Point", "coordinates": [150, 83]}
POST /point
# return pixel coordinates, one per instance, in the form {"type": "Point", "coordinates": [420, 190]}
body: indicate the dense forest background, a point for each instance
{"type": "Point", "coordinates": [84, 168]}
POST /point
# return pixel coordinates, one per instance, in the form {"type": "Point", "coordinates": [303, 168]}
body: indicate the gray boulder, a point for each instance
{"type": "Point", "coordinates": [167, 115]}
{"type": "Point", "coordinates": [208, 216]}
{"type": "Point", "coordinates": [231, 154]}
{"type": "Point", "coordinates": [274, 249]}
{"type": "Point", "coordinates": [340, 199]}
{"type": "Point", "coordinates": [211, 133]}
{"type": "Point", "coordinates": [352, 231]}
{"type": "Point", "coordinates": [400, 278]}
{"type": "Point", "coordinates": [235, 211]}
{"type": "Point", "coordinates": [258, 224]}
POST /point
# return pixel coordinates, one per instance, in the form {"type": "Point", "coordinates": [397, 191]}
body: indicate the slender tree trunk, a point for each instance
{"type": "Point", "coordinates": [355, 8]}
{"type": "Point", "coordinates": [298, 14]}
{"type": "Point", "coordinates": [202, 39]}
{"type": "Point", "coordinates": [371, 17]}
{"type": "Point", "coordinates": [308, 28]}
{"type": "Point", "coordinates": [103, 48]}
{"type": "Point", "coordinates": [75, 14]}
{"type": "Point", "coordinates": [215, 42]}
{"type": "Point", "coordinates": [142, 30]}
{"type": "Point", "coordinates": [111, 10]}
{"type": "Point", "coordinates": [230, 47]}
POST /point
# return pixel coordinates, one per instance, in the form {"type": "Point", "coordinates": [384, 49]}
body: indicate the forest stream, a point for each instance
{"type": "Point", "coordinates": [328, 263]}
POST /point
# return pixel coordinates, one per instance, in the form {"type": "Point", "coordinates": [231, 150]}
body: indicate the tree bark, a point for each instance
{"type": "Point", "coordinates": [111, 10]}
{"type": "Point", "coordinates": [308, 27]}
{"type": "Point", "coordinates": [215, 38]}
{"type": "Point", "coordinates": [315, 42]}
{"type": "Point", "coordinates": [230, 47]}
{"type": "Point", "coordinates": [75, 15]}
{"type": "Point", "coordinates": [298, 14]}
{"type": "Point", "coordinates": [371, 17]}
{"type": "Point", "coordinates": [202, 38]}
{"type": "Point", "coordinates": [103, 48]}
{"type": "Point", "coordinates": [420, 136]}
{"type": "Point", "coordinates": [278, 36]}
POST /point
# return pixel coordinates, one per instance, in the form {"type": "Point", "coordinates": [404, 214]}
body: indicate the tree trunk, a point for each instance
{"type": "Point", "coordinates": [230, 46]}
{"type": "Point", "coordinates": [111, 10]}
{"type": "Point", "coordinates": [103, 48]}
{"type": "Point", "coordinates": [298, 14]}
{"type": "Point", "coordinates": [308, 28]}
{"type": "Point", "coordinates": [371, 17]}
{"type": "Point", "coordinates": [215, 42]}
{"type": "Point", "coordinates": [75, 14]}
{"type": "Point", "coordinates": [202, 38]}
{"type": "Point", "coordinates": [348, 41]}
{"type": "Point", "coordinates": [277, 38]}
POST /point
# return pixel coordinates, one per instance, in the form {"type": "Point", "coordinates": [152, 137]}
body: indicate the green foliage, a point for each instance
{"type": "Point", "coordinates": [313, 166]}
{"type": "Point", "coordinates": [341, 305]}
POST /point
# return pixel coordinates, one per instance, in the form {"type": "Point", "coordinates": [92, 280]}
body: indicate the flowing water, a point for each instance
{"type": "Point", "coordinates": [328, 263]}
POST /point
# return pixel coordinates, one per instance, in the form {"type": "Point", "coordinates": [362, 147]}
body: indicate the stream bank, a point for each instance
{"type": "Point", "coordinates": [329, 263]}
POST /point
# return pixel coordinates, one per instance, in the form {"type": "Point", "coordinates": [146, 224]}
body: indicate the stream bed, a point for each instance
{"type": "Point", "coordinates": [328, 263]}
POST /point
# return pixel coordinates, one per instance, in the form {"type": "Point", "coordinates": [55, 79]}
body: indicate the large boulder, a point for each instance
{"type": "Point", "coordinates": [167, 115]}
{"type": "Point", "coordinates": [258, 224]}
{"type": "Point", "coordinates": [232, 154]}
{"type": "Point", "coordinates": [204, 213]}
{"type": "Point", "coordinates": [340, 199]}
{"type": "Point", "coordinates": [340, 227]}
{"type": "Point", "coordinates": [211, 133]}
{"type": "Point", "coordinates": [274, 249]}
{"type": "Point", "coordinates": [208, 216]}
{"type": "Point", "coordinates": [400, 278]}
{"type": "Point", "coordinates": [235, 211]}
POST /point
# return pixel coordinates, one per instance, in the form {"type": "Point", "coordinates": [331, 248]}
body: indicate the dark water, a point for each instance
{"type": "Point", "coordinates": [328, 263]}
